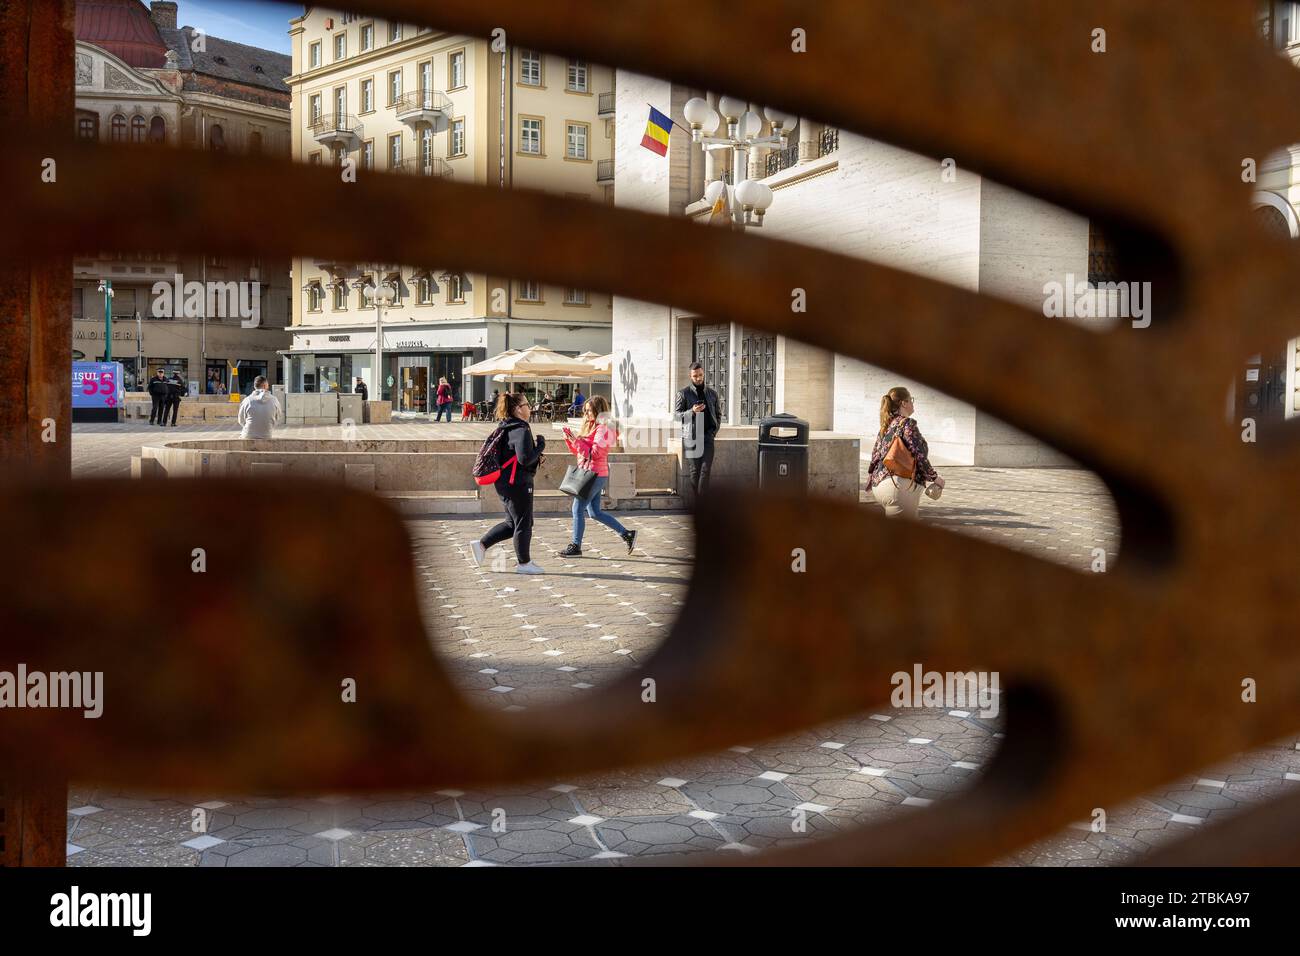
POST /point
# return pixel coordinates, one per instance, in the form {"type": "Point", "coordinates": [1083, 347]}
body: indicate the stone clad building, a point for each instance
{"type": "Point", "coordinates": [854, 196]}
{"type": "Point", "coordinates": [141, 79]}
{"type": "Point", "coordinates": [414, 101]}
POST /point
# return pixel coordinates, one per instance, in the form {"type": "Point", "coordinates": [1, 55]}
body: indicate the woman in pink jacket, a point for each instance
{"type": "Point", "coordinates": [591, 446]}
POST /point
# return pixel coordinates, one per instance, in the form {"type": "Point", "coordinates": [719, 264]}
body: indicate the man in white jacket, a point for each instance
{"type": "Point", "coordinates": [259, 411]}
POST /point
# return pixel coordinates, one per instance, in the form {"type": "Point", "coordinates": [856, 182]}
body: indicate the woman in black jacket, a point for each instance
{"type": "Point", "coordinates": [520, 455]}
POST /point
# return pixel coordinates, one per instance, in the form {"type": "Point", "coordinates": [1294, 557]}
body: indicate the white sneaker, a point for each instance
{"type": "Point", "coordinates": [530, 568]}
{"type": "Point", "coordinates": [477, 551]}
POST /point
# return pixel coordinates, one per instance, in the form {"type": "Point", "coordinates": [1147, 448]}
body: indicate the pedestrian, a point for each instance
{"type": "Point", "coordinates": [900, 460]}
{"type": "Point", "coordinates": [259, 411]}
{"type": "Point", "coordinates": [591, 447]}
{"type": "Point", "coordinates": [578, 402]}
{"type": "Point", "coordinates": [444, 400]}
{"type": "Point", "coordinates": [175, 391]}
{"type": "Point", "coordinates": [158, 393]}
{"type": "Point", "coordinates": [360, 389]}
{"type": "Point", "coordinates": [700, 411]}
{"type": "Point", "coordinates": [519, 456]}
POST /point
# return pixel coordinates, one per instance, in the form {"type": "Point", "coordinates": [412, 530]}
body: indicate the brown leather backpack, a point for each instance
{"type": "Point", "coordinates": [898, 460]}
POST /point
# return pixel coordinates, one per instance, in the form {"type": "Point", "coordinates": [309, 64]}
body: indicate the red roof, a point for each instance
{"type": "Point", "coordinates": [123, 28]}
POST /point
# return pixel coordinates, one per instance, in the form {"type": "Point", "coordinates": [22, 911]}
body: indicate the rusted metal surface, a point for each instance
{"type": "Point", "coordinates": [1117, 681]}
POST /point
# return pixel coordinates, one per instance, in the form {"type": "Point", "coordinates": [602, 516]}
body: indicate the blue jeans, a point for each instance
{"type": "Point", "coordinates": [591, 506]}
{"type": "Point", "coordinates": [443, 408]}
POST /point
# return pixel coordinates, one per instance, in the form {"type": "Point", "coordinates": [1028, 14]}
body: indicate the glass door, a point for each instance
{"type": "Point", "coordinates": [413, 393]}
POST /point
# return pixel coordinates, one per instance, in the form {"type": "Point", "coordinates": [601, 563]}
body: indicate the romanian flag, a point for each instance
{"type": "Point", "coordinates": [657, 129]}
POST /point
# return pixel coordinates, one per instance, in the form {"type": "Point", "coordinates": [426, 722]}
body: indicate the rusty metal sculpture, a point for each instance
{"type": "Point", "coordinates": [1117, 681]}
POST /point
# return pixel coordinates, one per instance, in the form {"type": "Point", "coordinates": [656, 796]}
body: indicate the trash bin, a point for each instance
{"type": "Point", "coordinates": [783, 454]}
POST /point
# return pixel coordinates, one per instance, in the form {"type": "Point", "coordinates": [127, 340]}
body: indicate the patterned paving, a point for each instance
{"type": "Point", "coordinates": [523, 642]}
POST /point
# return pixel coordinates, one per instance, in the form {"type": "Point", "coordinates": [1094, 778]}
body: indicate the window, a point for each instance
{"type": "Point", "coordinates": [456, 139]}
{"type": "Point", "coordinates": [394, 279]}
{"type": "Point", "coordinates": [367, 95]}
{"type": "Point", "coordinates": [313, 55]}
{"type": "Point", "coordinates": [314, 158]}
{"type": "Point", "coordinates": [394, 87]}
{"type": "Point", "coordinates": [77, 302]}
{"type": "Point", "coordinates": [255, 143]}
{"type": "Point", "coordinates": [423, 289]}
{"type": "Point", "coordinates": [88, 128]}
{"type": "Point", "coordinates": [426, 76]}
{"type": "Point", "coordinates": [137, 129]}
{"type": "Point", "coordinates": [340, 45]}
{"type": "Point", "coordinates": [315, 107]}
{"type": "Point", "coordinates": [367, 36]}
{"type": "Point", "coordinates": [575, 296]}
{"type": "Point", "coordinates": [315, 297]}
{"type": "Point", "coordinates": [365, 295]}
{"type": "Point", "coordinates": [394, 150]}
{"type": "Point", "coordinates": [340, 296]}
{"type": "Point", "coordinates": [340, 105]}
{"type": "Point", "coordinates": [368, 154]}
{"type": "Point", "coordinates": [578, 76]}
{"type": "Point", "coordinates": [117, 127]}
{"type": "Point", "coordinates": [530, 136]}
{"type": "Point", "coordinates": [157, 130]}
{"type": "Point", "coordinates": [456, 70]}
{"type": "Point", "coordinates": [394, 32]}
{"type": "Point", "coordinates": [530, 291]}
{"type": "Point", "coordinates": [575, 140]}
{"type": "Point", "coordinates": [530, 68]}
{"type": "Point", "coordinates": [217, 138]}
{"type": "Point", "coordinates": [426, 148]}
{"type": "Point", "coordinates": [456, 287]}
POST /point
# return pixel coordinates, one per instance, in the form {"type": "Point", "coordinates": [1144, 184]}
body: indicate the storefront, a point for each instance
{"type": "Point", "coordinates": [414, 361]}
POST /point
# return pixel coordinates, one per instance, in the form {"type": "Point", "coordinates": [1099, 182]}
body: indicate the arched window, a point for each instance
{"type": "Point", "coordinates": [137, 129]}
{"type": "Point", "coordinates": [255, 142]}
{"type": "Point", "coordinates": [1272, 222]}
{"type": "Point", "coordinates": [88, 127]}
{"type": "Point", "coordinates": [117, 128]}
{"type": "Point", "coordinates": [157, 130]}
{"type": "Point", "coordinates": [217, 138]}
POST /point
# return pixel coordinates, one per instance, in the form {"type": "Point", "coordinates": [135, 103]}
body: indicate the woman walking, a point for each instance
{"type": "Point", "coordinates": [519, 456]}
{"type": "Point", "coordinates": [444, 400]}
{"type": "Point", "coordinates": [591, 446]}
{"type": "Point", "coordinates": [894, 481]}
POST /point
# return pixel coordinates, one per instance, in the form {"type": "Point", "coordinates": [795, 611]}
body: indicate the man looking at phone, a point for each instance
{"type": "Point", "coordinates": [700, 412]}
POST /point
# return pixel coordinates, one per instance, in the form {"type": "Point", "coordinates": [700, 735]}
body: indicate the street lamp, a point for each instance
{"type": "Point", "coordinates": [106, 287]}
{"type": "Point", "coordinates": [384, 295]}
{"type": "Point", "coordinates": [749, 199]}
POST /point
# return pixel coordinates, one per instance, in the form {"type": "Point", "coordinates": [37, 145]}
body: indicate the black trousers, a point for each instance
{"type": "Point", "coordinates": [518, 523]}
{"type": "Point", "coordinates": [156, 412]}
{"type": "Point", "coordinates": [700, 467]}
{"type": "Point", "coordinates": [173, 406]}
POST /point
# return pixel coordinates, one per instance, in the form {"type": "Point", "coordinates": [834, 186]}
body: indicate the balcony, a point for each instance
{"type": "Point", "coordinates": [828, 142]}
{"type": "Point", "coordinates": [424, 108]}
{"type": "Point", "coordinates": [605, 104]}
{"type": "Point", "coordinates": [779, 159]}
{"type": "Point", "coordinates": [337, 130]}
{"type": "Point", "coordinates": [604, 170]}
{"type": "Point", "coordinates": [437, 168]}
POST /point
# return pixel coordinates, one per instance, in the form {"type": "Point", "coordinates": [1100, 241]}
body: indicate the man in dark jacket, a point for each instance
{"type": "Point", "coordinates": [700, 412]}
{"type": "Point", "coordinates": [175, 389]}
{"type": "Point", "coordinates": [360, 389]}
{"type": "Point", "coordinates": [515, 485]}
{"type": "Point", "coordinates": [158, 395]}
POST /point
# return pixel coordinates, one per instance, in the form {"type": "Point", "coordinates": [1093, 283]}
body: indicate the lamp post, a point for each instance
{"type": "Point", "coordinates": [748, 199]}
{"type": "Point", "coordinates": [106, 287]}
{"type": "Point", "coordinates": [384, 295]}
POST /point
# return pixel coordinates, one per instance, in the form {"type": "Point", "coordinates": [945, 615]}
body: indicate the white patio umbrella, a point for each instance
{"type": "Point", "coordinates": [603, 364]}
{"type": "Point", "coordinates": [533, 364]}
{"type": "Point", "coordinates": [490, 366]}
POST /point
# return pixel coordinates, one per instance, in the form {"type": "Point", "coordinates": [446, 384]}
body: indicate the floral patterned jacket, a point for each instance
{"type": "Point", "coordinates": [912, 438]}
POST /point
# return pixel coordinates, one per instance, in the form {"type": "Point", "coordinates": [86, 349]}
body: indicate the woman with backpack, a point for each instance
{"type": "Point", "coordinates": [900, 461]}
{"type": "Point", "coordinates": [591, 446]}
{"type": "Point", "coordinates": [517, 458]}
{"type": "Point", "coordinates": [444, 400]}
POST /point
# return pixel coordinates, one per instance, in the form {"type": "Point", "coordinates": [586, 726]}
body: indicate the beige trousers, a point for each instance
{"type": "Point", "coordinates": [899, 496]}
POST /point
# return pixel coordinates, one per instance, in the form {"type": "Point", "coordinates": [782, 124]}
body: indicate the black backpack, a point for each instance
{"type": "Point", "coordinates": [488, 465]}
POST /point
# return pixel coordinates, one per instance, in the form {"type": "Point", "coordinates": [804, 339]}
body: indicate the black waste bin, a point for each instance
{"type": "Point", "coordinates": [783, 454]}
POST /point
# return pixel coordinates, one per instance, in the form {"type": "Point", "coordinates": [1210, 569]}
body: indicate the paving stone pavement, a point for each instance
{"type": "Point", "coordinates": [517, 641]}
